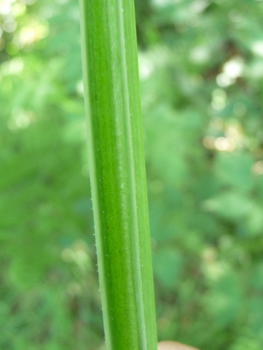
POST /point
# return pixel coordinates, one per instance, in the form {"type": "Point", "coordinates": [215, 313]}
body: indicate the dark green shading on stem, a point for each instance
{"type": "Point", "coordinates": [117, 172]}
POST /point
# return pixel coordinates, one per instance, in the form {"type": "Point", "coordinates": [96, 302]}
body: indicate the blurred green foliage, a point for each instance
{"type": "Point", "coordinates": [201, 70]}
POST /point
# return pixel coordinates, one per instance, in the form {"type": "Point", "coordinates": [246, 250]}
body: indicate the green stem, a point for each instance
{"type": "Point", "coordinates": [117, 170]}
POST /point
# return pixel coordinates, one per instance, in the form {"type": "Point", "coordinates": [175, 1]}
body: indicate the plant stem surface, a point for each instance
{"type": "Point", "coordinates": [117, 171]}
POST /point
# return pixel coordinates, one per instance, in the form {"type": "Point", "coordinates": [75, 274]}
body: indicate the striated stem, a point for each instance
{"type": "Point", "coordinates": [117, 171]}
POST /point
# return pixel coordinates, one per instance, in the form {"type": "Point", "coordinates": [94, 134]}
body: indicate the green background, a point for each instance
{"type": "Point", "coordinates": [201, 69]}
